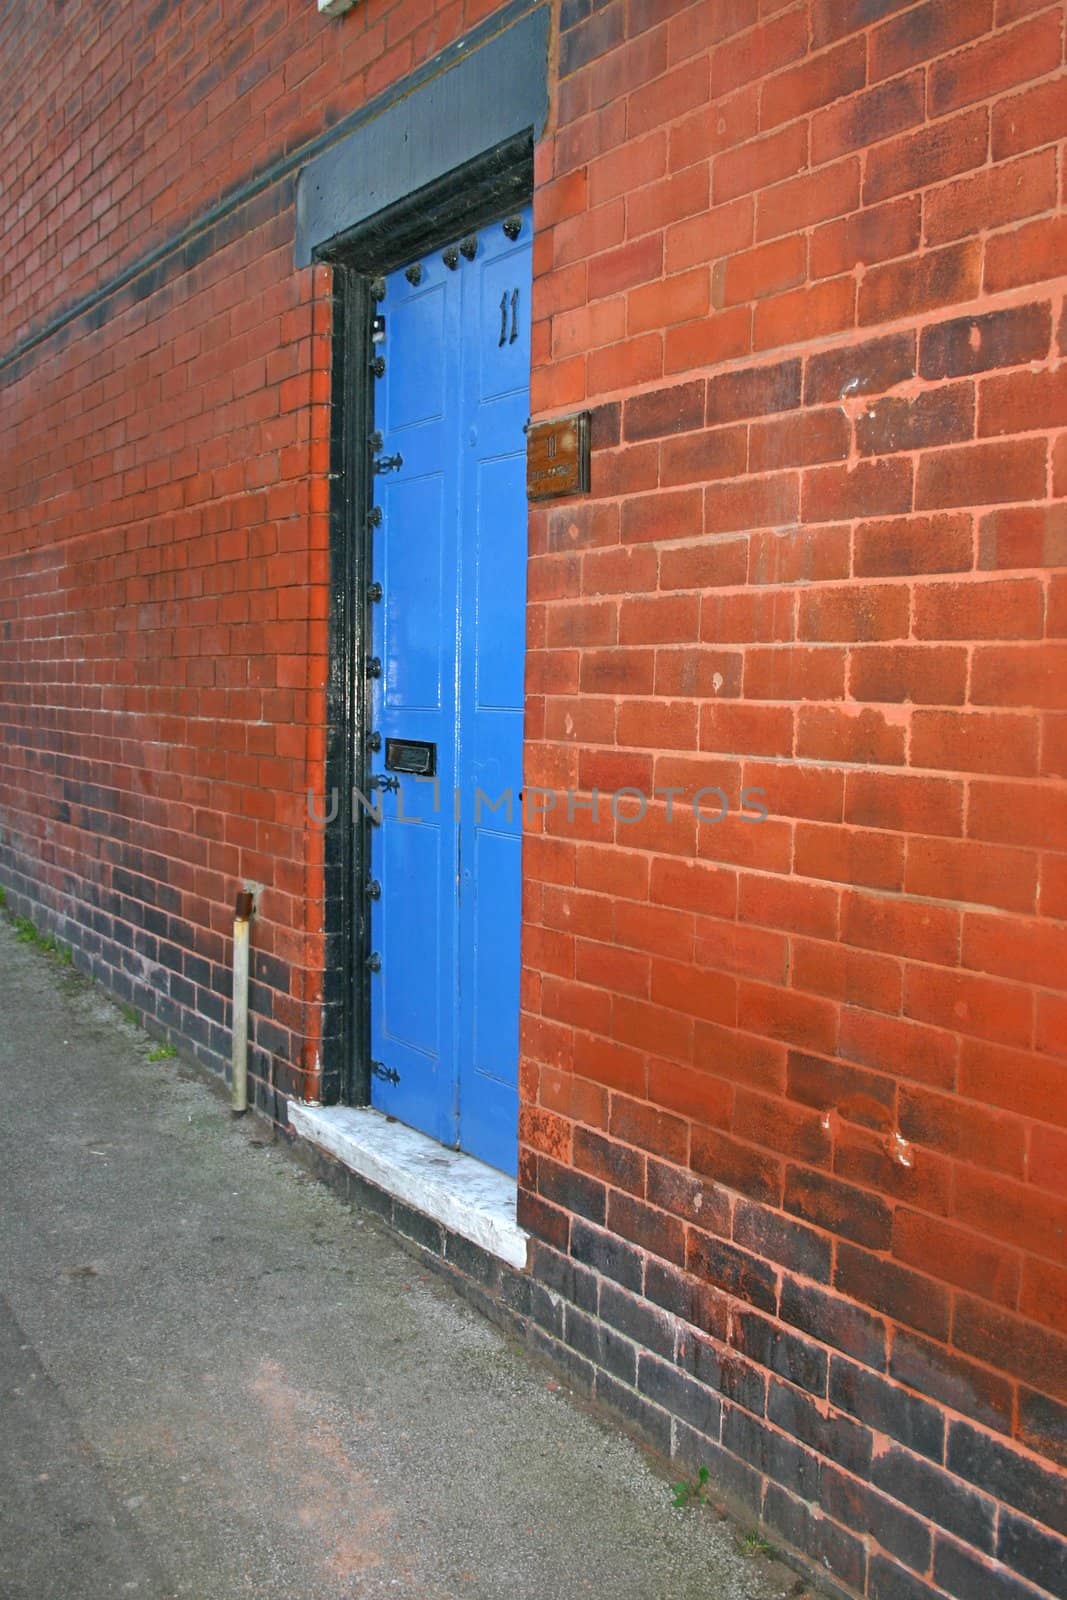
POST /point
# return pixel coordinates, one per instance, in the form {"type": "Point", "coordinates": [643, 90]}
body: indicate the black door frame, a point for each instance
{"type": "Point", "coordinates": [481, 191]}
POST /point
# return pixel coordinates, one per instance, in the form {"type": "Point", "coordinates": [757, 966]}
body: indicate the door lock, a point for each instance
{"type": "Point", "coordinates": [389, 463]}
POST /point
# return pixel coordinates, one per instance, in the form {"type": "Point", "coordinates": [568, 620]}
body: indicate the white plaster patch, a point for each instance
{"type": "Point", "coordinates": [462, 1194]}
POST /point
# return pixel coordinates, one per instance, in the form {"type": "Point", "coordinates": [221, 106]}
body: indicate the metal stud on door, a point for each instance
{"type": "Point", "coordinates": [448, 589]}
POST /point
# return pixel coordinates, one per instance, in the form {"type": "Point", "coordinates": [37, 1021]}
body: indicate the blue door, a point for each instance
{"type": "Point", "coordinates": [448, 597]}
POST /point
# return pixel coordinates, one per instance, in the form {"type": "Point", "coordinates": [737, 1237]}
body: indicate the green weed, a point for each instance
{"type": "Point", "coordinates": [691, 1491]}
{"type": "Point", "coordinates": [162, 1052]}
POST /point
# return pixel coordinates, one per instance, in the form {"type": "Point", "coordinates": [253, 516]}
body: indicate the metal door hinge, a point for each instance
{"type": "Point", "coordinates": [373, 889]}
{"type": "Point", "coordinates": [469, 247]}
{"type": "Point", "coordinates": [387, 1074]}
{"type": "Point", "coordinates": [451, 258]}
{"type": "Point", "coordinates": [374, 591]}
{"type": "Point", "coordinates": [374, 962]}
{"type": "Point", "coordinates": [512, 227]}
{"type": "Point", "coordinates": [377, 367]}
{"type": "Point", "coordinates": [377, 288]}
{"type": "Point", "coordinates": [374, 742]}
{"type": "Point", "coordinates": [374, 667]}
{"type": "Point", "coordinates": [374, 517]}
{"type": "Point", "coordinates": [414, 274]}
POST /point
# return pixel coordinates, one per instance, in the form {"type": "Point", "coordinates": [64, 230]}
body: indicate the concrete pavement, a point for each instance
{"type": "Point", "coordinates": [216, 1381]}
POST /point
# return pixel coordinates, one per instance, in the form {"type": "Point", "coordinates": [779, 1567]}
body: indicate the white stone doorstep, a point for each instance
{"type": "Point", "coordinates": [462, 1194]}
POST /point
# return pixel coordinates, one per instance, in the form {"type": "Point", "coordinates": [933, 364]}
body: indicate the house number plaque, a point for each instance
{"type": "Point", "coordinates": [557, 457]}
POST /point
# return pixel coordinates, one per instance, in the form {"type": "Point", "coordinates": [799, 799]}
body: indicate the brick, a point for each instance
{"type": "Point", "coordinates": [805, 313]}
{"type": "Point", "coordinates": [866, 119]}
{"type": "Point", "coordinates": [956, 1255]}
{"type": "Point", "coordinates": [739, 1057]}
{"type": "Point", "coordinates": [792, 674]}
{"type": "Point", "coordinates": [852, 1093]}
{"type": "Point", "coordinates": [900, 547]}
{"type": "Point", "coordinates": [1025, 255]}
{"type": "Point", "coordinates": [813, 197]}
{"type": "Point", "coordinates": [801, 555]}
{"type": "Point", "coordinates": [976, 344]}
{"type": "Point", "coordinates": [1020, 675]}
{"type": "Point", "coordinates": [585, 42]}
{"type": "Point", "coordinates": [1029, 1550]}
{"type": "Point", "coordinates": [884, 1407]}
{"type": "Point", "coordinates": [857, 1506]}
{"type": "Point", "coordinates": [753, 166]}
{"type": "Point", "coordinates": [934, 153]}
{"type": "Point", "coordinates": [753, 274]}
{"type": "Point", "coordinates": [920, 283]}
{"type": "Point", "coordinates": [925, 32]}
{"type": "Point", "coordinates": [952, 1379]}
{"type": "Point", "coordinates": [1001, 1470]}
{"type": "Point", "coordinates": [835, 1436]}
{"type": "Point", "coordinates": [1008, 193]}
{"type": "Point", "coordinates": [1020, 402]}
{"type": "Point", "coordinates": [900, 1046]}
{"type": "Point", "coordinates": [990, 1074]}
{"type": "Point", "coordinates": [776, 1238]}
{"type": "Point", "coordinates": [912, 804]}
{"type": "Point", "coordinates": [664, 411]}
{"type": "Point", "coordinates": [1037, 117]}
{"type": "Point", "coordinates": [991, 609]}
{"type": "Point", "coordinates": [867, 489]}
{"type": "Point", "coordinates": [834, 1321]}
{"type": "Point", "coordinates": [967, 871]}
{"type": "Point", "coordinates": [710, 129]}
{"type": "Point", "coordinates": [768, 1450]}
{"type": "Point", "coordinates": [635, 262]}
{"type": "Point", "coordinates": [938, 416]}
{"type": "Point", "coordinates": [816, 82]}
{"type": "Point", "coordinates": [878, 233]}
{"type": "Point", "coordinates": [1023, 536]}
{"type": "Point", "coordinates": [668, 96]}
{"type": "Point", "coordinates": [832, 19]}
{"type": "Point", "coordinates": [925, 674]}
{"type": "Point", "coordinates": [848, 1211]}
{"type": "Point", "coordinates": [995, 64]}
{"type": "Point", "coordinates": [1015, 1345]}
{"type": "Point", "coordinates": [757, 52]}
{"type": "Point", "coordinates": [867, 368]}
{"type": "Point", "coordinates": [1043, 1427]}
{"type": "Point", "coordinates": [876, 923]}
{"type": "Point", "coordinates": [982, 474]}
{"type": "Point", "coordinates": [849, 856]}
{"type": "Point", "coordinates": [1028, 1219]}
{"type": "Point", "coordinates": [747, 730]}
{"type": "Point", "coordinates": [677, 1393]}
{"type": "Point", "coordinates": [973, 1005]}
{"type": "Point", "coordinates": [1036, 953]}
{"type": "Point", "coordinates": [604, 1254]}
{"type": "Point", "coordinates": [790, 441]}
{"type": "Point", "coordinates": [754, 392]}
{"type": "Point", "coordinates": [737, 1166]}
{"type": "Point", "coordinates": [937, 1495]}
{"type": "Point", "coordinates": [702, 457]}
{"type": "Point", "coordinates": [733, 1271]}
{"type": "Point", "coordinates": [770, 501]}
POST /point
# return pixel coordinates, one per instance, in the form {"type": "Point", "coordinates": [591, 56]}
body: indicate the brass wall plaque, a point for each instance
{"type": "Point", "coordinates": [557, 457]}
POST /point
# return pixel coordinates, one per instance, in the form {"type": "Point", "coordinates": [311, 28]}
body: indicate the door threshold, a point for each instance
{"type": "Point", "coordinates": [462, 1194]}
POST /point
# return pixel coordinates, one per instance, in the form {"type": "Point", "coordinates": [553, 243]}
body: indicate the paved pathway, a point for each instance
{"type": "Point", "coordinates": [215, 1381]}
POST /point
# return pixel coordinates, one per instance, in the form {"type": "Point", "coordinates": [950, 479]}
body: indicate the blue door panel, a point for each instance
{"type": "Point", "coordinates": [415, 608]}
{"type": "Point", "coordinates": [450, 555]}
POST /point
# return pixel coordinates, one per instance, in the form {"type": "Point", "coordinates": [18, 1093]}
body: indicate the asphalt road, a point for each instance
{"type": "Point", "coordinates": [216, 1381]}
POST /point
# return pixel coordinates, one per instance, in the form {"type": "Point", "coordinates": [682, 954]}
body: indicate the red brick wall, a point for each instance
{"type": "Point", "coordinates": [795, 1126]}
{"type": "Point", "coordinates": [806, 262]}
